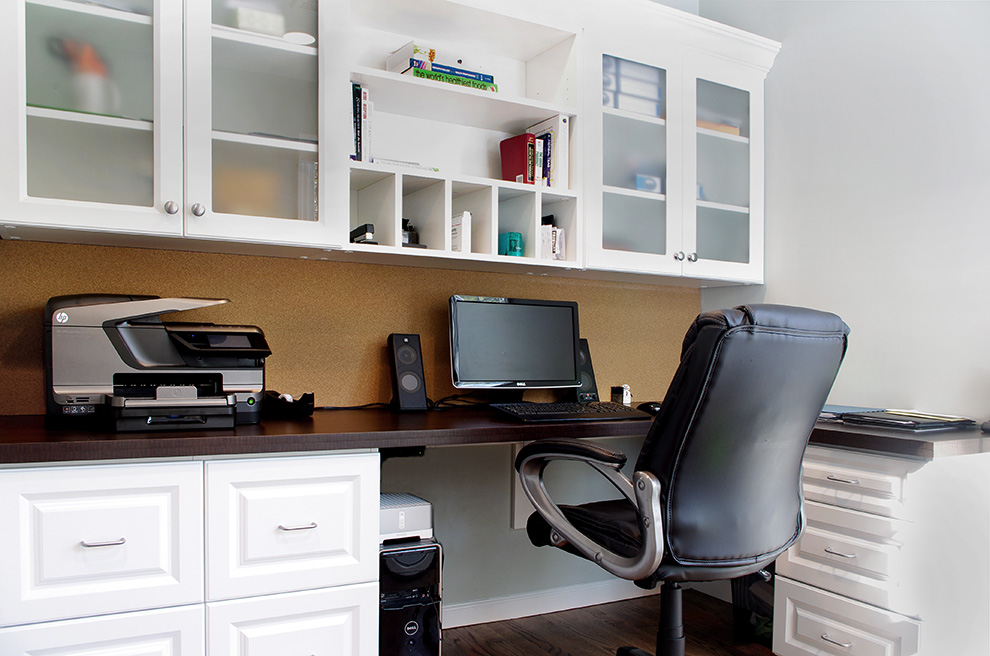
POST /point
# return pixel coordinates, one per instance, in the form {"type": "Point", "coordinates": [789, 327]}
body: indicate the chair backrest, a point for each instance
{"type": "Point", "coordinates": [728, 441]}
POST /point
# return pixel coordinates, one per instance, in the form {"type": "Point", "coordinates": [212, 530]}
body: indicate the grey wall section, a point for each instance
{"type": "Point", "coordinates": [877, 169]}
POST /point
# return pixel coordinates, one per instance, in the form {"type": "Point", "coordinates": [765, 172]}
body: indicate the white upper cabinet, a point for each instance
{"type": "Point", "coordinates": [673, 120]}
{"type": "Point", "coordinates": [154, 118]}
{"type": "Point", "coordinates": [91, 115]}
{"type": "Point", "coordinates": [137, 121]}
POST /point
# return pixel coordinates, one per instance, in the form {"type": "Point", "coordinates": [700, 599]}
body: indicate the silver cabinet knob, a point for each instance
{"type": "Point", "coordinates": [693, 257]}
{"type": "Point", "coordinates": [171, 207]}
{"type": "Point", "coordinates": [679, 256]}
{"type": "Point", "coordinates": [198, 209]}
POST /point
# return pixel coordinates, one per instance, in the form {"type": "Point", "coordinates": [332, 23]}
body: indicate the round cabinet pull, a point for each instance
{"type": "Point", "coordinates": [693, 257]}
{"type": "Point", "coordinates": [171, 207]}
{"type": "Point", "coordinates": [847, 481]}
{"type": "Point", "coordinates": [110, 543]}
{"type": "Point", "coordinates": [829, 550]}
{"type": "Point", "coordinates": [679, 256]}
{"type": "Point", "coordinates": [844, 645]}
{"type": "Point", "coordinates": [304, 527]}
{"type": "Point", "coordinates": [199, 209]}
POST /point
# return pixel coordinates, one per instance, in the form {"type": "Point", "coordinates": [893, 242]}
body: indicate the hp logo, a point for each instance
{"type": "Point", "coordinates": [61, 317]}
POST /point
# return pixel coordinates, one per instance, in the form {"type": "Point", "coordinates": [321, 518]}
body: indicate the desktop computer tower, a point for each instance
{"type": "Point", "coordinates": [409, 588]}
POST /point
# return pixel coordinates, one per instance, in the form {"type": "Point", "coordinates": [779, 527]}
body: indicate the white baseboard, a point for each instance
{"type": "Point", "coordinates": [538, 603]}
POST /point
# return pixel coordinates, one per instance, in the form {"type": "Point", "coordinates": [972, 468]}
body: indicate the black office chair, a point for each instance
{"type": "Point", "coordinates": [716, 492]}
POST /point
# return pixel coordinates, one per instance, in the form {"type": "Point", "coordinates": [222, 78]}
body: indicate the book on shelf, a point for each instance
{"type": "Point", "coordinates": [356, 119]}
{"type": "Point", "coordinates": [554, 131]}
{"type": "Point", "coordinates": [537, 173]}
{"type": "Point", "coordinates": [366, 110]}
{"type": "Point", "coordinates": [399, 61]}
{"type": "Point", "coordinates": [460, 232]}
{"type": "Point", "coordinates": [452, 79]}
{"type": "Point", "coordinates": [518, 155]}
{"type": "Point", "coordinates": [551, 239]}
{"type": "Point", "coordinates": [719, 127]}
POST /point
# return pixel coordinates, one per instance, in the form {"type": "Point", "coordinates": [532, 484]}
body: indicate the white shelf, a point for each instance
{"type": "Point", "coordinates": [635, 193]}
{"type": "Point", "coordinates": [267, 41]}
{"type": "Point", "coordinates": [740, 209]}
{"type": "Point", "coordinates": [448, 103]}
{"type": "Point", "coordinates": [96, 10]}
{"type": "Point", "coordinates": [266, 141]}
{"type": "Point", "coordinates": [91, 119]}
{"type": "Point", "coordinates": [633, 116]}
{"type": "Point", "coordinates": [722, 135]}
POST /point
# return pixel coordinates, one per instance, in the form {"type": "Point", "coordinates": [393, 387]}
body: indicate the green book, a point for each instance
{"type": "Point", "coordinates": [453, 79]}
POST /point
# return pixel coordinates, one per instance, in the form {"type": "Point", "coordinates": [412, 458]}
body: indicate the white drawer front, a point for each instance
{"type": "Point", "coordinates": [340, 621]}
{"type": "Point", "coordinates": [277, 525]}
{"type": "Point", "coordinates": [857, 481]}
{"type": "Point", "coordinates": [857, 555]}
{"type": "Point", "coordinates": [169, 632]}
{"type": "Point", "coordinates": [811, 621]}
{"type": "Point", "coordinates": [100, 539]}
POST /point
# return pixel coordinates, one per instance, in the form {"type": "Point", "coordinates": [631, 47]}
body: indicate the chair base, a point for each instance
{"type": "Point", "coordinates": [670, 634]}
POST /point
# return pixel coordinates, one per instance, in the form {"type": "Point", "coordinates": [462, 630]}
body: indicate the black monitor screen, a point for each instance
{"type": "Point", "coordinates": [511, 342]}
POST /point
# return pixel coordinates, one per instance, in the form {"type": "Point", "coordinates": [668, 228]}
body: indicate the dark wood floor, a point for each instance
{"type": "Point", "coordinates": [600, 630]}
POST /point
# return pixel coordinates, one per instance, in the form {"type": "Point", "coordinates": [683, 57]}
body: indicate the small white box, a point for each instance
{"type": "Point", "coordinates": [404, 516]}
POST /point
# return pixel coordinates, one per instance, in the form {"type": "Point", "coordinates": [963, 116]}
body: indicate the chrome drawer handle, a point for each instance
{"type": "Point", "coordinates": [828, 550]}
{"type": "Point", "coordinates": [844, 645]}
{"type": "Point", "coordinates": [847, 481]}
{"type": "Point", "coordinates": [304, 527]}
{"type": "Point", "coordinates": [111, 543]}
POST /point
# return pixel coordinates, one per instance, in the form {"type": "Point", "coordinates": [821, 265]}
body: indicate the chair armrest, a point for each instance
{"type": "Point", "coordinates": [643, 492]}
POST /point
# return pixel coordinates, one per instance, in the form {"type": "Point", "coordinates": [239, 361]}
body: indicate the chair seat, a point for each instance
{"type": "Point", "coordinates": [612, 524]}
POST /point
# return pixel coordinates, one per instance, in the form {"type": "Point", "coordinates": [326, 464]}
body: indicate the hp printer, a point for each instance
{"type": "Point", "coordinates": [111, 359]}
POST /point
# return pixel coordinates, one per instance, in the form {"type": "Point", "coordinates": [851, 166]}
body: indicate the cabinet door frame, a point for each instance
{"type": "Point", "coordinates": [748, 79]}
{"type": "Point", "coordinates": [19, 209]}
{"type": "Point", "coordinates": [598, 257]}
{"type": "Point", "coordinates": [327, 231]}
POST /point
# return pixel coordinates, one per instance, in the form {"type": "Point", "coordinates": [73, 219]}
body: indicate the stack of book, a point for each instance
{"type": "Point", "coordinates": [420, 61]}
{"type": "Point", "coordinates": [361, 111]}
{"type": "Point", "coordinates": [538, 156]}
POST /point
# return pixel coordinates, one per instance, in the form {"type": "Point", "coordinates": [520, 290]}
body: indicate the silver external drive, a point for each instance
{"type": "Point", "coordinates": [405, 516]}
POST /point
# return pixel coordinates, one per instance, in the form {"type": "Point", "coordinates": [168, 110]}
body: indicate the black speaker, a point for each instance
{"type": "Point", "coordinates": [588, 391]}
{"type": "Point", "coordinates": [408, 382]}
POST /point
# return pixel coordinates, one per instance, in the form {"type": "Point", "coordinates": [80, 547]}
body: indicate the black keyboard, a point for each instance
{"type": "Point", "coordinates": [570, 411]}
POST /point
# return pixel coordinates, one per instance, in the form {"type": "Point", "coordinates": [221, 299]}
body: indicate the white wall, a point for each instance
{"type": "Point", "coordinates": [878, 182]}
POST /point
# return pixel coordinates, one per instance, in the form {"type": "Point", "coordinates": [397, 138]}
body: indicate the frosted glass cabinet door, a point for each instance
{"type": "Point", "coordinates": [726, 238]}
{"type": "Point", "coordinates": [252, 140]}
{"type": "Point", "coordinates": [89, 147]}
{"type": "Point", "coordinates": [636, 227]}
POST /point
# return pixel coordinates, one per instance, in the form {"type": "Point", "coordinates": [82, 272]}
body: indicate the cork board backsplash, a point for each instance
{"type": "Point", "coordinates": [327, 322]}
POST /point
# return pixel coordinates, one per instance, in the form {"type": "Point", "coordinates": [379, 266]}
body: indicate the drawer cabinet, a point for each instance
{"type": "Point", "coordinates": [97, 539]}
{"type": "Point", "coordinates": [817, 622]}
{"type": "Point", "coordinates": [893, 560]}
{"type": "Point", "coordinates": [167, 632]}
{"type": "Point", "coordinates": [327, 622]}
{"type": "Point", "coordinates": [281, 524]}
{"type": "Point", "coordinates": [862, 556]}
{"type": "Point", "coordinates": [239, 556]}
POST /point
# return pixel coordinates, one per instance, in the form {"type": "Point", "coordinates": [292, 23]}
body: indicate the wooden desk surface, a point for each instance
{"type": "Point", "coordinates": [26, 439]}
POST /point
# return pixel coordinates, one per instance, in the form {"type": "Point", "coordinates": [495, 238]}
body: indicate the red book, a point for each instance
{"type": "Point", "coordinates": [518, 157]}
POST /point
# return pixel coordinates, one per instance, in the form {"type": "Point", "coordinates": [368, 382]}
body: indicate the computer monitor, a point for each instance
{"type": "Point", "coordinates": [513, 343]}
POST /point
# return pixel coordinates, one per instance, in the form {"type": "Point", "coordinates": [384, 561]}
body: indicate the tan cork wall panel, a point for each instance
{"type": "Point", "coordinates": [327, 322]}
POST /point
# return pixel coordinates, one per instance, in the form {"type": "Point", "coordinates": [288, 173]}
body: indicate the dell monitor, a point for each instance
{"type": "Point", "coordinates": [513, 343]}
